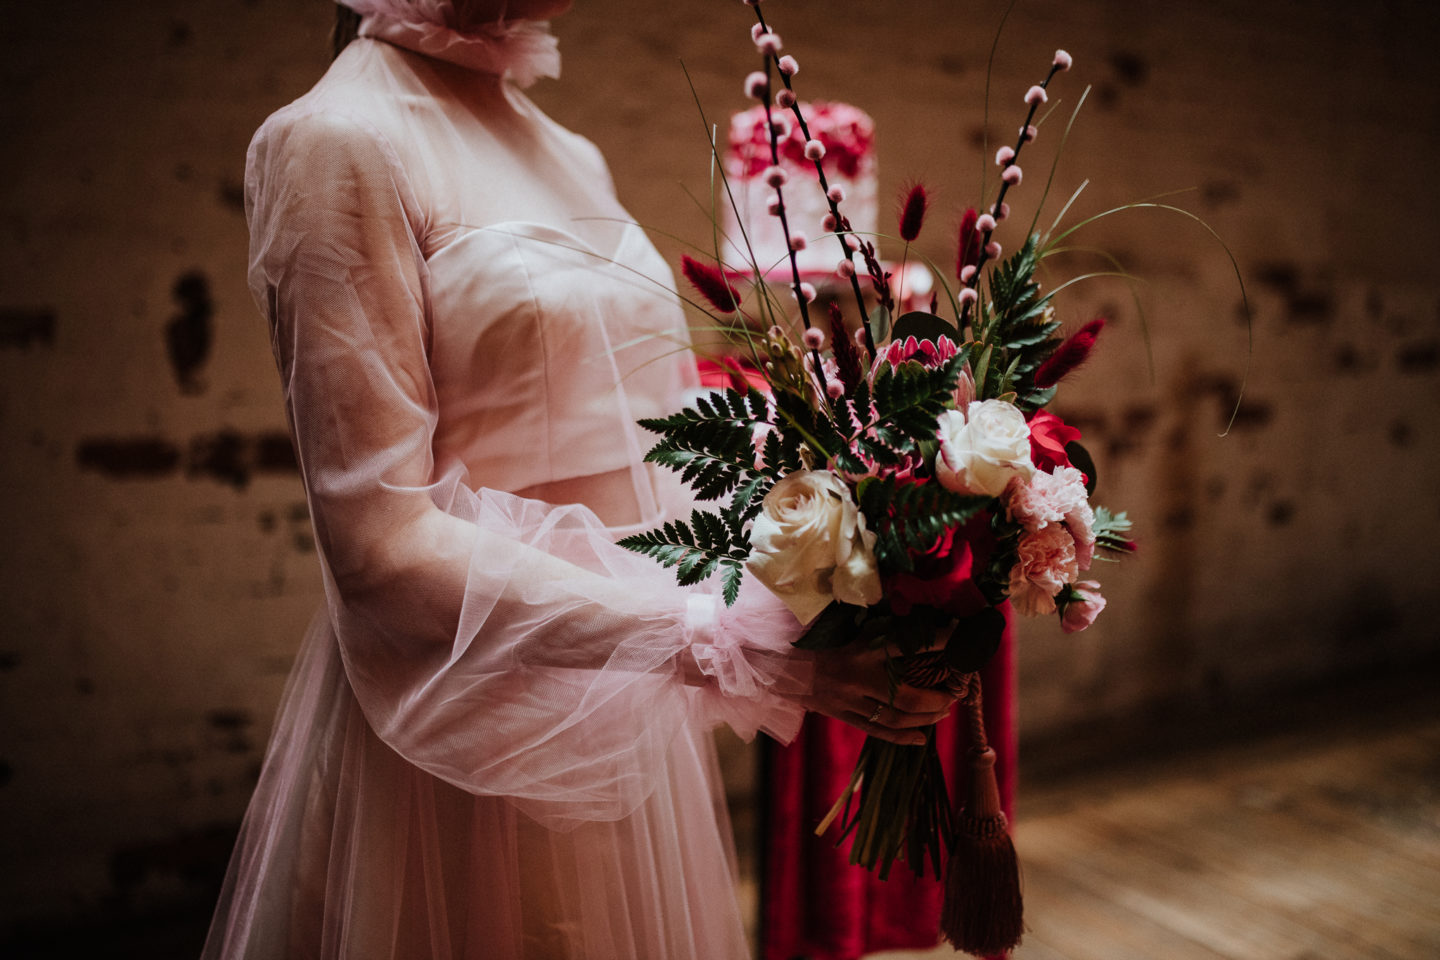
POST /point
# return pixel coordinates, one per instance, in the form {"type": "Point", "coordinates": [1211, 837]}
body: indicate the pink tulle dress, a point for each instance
{"type": "Point", "coordinates": [488, 747]}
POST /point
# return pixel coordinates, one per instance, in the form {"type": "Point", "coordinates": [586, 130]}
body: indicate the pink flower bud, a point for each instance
{"type": "Point", "coordinates": [755, 31]}
{"type": "Point", "coordinates": [1036, 94]}
{"type": "Point", "coordinates": [813, 339]}
{"type": "Point", "coordinates": [807, 290]}
{"type": "Point", "coordinates": [1063, 60]}
{"type": "Point", "coordinates": [772, 206]}
{"type": "Point", "coordinates": [776, 177]}
{"type": "Point", "coordinates": [768, 44]}
{"type": "Point", "coordinates": [968, 295]}
{"type": "Point", "coordinates": [757, 85]}
{"type": "Point", "coordinates": [788, 66]}
{"type": "Point", "coordinates": [780, 126]}
{"type": "Point", "coordinates": [985, 223]}
{"type": "Point", "coordinates": [851, 243]}
{"type": "Point", "coordinates": [1012, 175]}
{"type": "Point", "coordinates": [834, 389]}
{"type": "Point", "coordinates": [1028, 133]}
{"type": "Point", "coordinates": [785, 98]}
{"type": "Point", "coordinates": [967, 272]}
{"type": "Point", "coordinates": [1004, 156]}
{"type": "Point", "coordinates": [845, 268]}
{"type": "Point", "coordinates": [1004, 211]}
{"type": "Point", "coordinates": [814, 150]}
{"type": "Point", "coordinates": [798, 241]}
{"type": "Point", "coordinates": [860, 338]}
{"type": "Point", "coordinates": [828, 223]}
{"type": "Point", "coordinates": [836, 193]}
{"type": "Point", "coordinates": [992, 250]}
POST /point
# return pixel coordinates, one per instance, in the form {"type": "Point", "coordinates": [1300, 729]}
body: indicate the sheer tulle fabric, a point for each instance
{"type": "Point", "coordinates": [487, 748]}
{"type": "Point", "coordinates": [520, 50]}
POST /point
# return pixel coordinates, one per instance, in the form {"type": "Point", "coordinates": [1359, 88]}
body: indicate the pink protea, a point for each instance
{"type": "Point", "coordinates": [912, 212]}
{"type": "Point", "coordinates": [710, 283]}
{"type": "Point", "coordinates": [928, 353]}
{"type": "Point", "coordinates": [1073, 352]}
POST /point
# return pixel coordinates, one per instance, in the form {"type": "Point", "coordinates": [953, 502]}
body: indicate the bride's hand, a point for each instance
{"type": "Point", "coordinates": [851, 684]}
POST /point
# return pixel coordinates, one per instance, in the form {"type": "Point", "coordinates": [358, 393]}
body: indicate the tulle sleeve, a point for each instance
{"type": "Point", "coordinates": [502, 644]}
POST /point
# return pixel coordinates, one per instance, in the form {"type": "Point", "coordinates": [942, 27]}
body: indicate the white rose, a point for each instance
{"type": "Point", "coordinates": [809, 545]}
{"type": "Point", "coordinates": [981, 449]}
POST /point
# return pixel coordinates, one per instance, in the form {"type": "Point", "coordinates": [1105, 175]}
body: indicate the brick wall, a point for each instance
{"type": "Point", "coordinates": [158, 567]}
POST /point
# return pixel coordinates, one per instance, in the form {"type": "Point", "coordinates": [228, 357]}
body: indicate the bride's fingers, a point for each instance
{"type": "Point", "coordinates": [906, 737]}
{"type": "Point", "coordinates": [888, 715]}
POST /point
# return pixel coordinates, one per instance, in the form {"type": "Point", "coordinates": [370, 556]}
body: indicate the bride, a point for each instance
{"type": "Point", "coordinates": [494, 741]}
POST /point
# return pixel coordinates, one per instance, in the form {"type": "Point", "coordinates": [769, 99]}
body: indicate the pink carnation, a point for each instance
{"type": "Point", "coordinates": [1044, 563]}
{"type": "Point", "coordinates": [1080, 613]}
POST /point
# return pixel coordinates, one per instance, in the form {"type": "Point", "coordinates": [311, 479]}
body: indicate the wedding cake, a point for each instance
{"type": "Point", "coordinates": [848, 136]}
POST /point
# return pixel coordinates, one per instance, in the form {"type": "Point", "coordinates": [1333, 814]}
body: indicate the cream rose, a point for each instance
{"type": "Point", "coordinates": [809, 545]}
{"type": "Point", "coordinates": [981, 449]}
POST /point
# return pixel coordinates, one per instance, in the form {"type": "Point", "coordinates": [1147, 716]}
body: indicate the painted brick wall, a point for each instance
{"type": "Point", "coordinates": [158, 567]}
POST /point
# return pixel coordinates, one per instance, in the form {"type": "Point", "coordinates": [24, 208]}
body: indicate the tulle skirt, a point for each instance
{"type": "Point", "coordinates": [349, 851]}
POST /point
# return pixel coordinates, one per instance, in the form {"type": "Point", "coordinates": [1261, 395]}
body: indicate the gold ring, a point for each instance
{"type": "Point", "coordinates": [875, 717]}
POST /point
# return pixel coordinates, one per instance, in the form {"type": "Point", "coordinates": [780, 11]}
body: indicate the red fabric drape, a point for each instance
{"type": "Point", "coordinates": [815, 904]}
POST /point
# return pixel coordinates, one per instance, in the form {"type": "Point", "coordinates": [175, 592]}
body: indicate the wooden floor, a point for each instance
{"type": "Point", "coordinates": [1322, 844]}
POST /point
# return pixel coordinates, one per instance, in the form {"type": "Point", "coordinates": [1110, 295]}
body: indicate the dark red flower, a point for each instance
{"type": "Point", "coordinates": [1048, 437]}
{"type": "Point", "coordinates": [944, 576]}
{"type": "Point", "coordinates": [912, 212]}
{"type": "Point", "coordinates": [711, 284]}
{"type": "Point", "coordinates": [1069, 355]}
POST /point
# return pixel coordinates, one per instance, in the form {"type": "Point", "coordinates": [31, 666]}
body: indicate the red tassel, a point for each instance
{"type": "Point", "coordinates": [983, 911]}
{"type": "Point", "coordinates": [967, 252]}
{"type": "Point", "coordinates": [912, 212]}
{"type": "Point", "coordinates": [711, 284]}
{"type": "Point", "coordinates": [1069, 355]}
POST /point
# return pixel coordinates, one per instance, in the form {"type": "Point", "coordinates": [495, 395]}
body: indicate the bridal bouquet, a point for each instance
{"type": "Point", "coordinates": [898, 484]}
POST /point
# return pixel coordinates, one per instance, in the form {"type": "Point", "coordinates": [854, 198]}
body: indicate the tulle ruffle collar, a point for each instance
{"type": "Point", "coordinates": [521, 51]}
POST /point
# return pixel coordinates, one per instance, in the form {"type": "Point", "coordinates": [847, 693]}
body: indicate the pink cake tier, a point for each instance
{"type": "Point", "coordinates": [848, 135]}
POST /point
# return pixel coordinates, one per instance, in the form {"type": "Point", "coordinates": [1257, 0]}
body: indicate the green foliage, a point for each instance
{"type": "Point", "coordinates": [1018, 333]}
{"type": "Point", "coordinates": [1112, 531]}
{"type": "Point", "coordinates": [711, 542]}
{"type": "Point", "coordinates": [908, 517]}
{"type": "Point", "coordinates": [710, 445]}
{"type": "Point", "coordinates": [893, 419]}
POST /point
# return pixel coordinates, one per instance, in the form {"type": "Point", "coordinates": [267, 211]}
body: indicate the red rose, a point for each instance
{"type": "Point", "coordinates": [1048, 437]}
{"type": "Point", "coordinates": [944, 576]}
